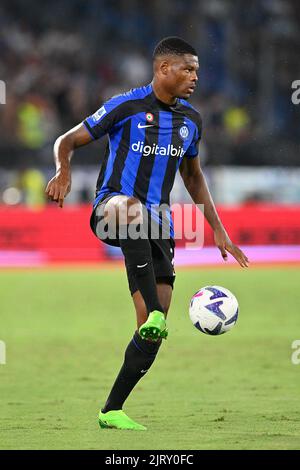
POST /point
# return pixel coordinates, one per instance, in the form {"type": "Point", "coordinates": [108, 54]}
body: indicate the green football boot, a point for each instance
{"type": "Point", "coordinates": [117, 419]}
{"type": "Point", "coordinates": [155, 327]}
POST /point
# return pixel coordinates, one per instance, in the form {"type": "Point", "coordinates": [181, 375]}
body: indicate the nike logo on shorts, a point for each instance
{"type": "Point", "coordinates": [141, 265]}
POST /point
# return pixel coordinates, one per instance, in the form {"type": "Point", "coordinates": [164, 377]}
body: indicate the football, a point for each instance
{"type": "Point", "coordinates": [213, 310]}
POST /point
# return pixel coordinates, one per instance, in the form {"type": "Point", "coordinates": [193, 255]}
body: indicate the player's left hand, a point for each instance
{"type": "Point", "coordinates": [225, 245]}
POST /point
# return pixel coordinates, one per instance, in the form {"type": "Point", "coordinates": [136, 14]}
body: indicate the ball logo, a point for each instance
{"type": "Point", "coordinates": [149, 117]}
{"type": "Point", "coordinates": [184, 132]}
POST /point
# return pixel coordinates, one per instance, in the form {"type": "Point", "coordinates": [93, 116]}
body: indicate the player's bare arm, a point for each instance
{"type": "Point", "coordinates": [60, 185]}
{"type": "Point", "coordinates": [195, 182]}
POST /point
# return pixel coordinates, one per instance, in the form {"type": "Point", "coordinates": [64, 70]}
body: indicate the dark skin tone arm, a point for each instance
{"type": "Point", "coordinates": [195, 183]}
{"type": "Point", "coordinates": [60, 185]}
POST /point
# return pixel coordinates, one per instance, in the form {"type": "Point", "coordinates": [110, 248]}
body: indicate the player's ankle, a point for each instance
{"type": "Point", "coordinates": [158, 310]}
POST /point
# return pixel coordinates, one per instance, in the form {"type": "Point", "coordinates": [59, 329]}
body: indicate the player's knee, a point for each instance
{"type": "Point", "coordinates": [134, 210]}
{"type": "Point", "coordinates": [128, 208]}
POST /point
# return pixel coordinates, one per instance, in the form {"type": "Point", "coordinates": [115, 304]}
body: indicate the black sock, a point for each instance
{"type": "Point", "coordinates": [139, 356]}
{"type": "Point", "coordinates": [138, 259]}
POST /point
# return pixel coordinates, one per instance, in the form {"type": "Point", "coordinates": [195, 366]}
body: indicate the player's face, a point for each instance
{"type": "Point", "coordinates": [182, 75]}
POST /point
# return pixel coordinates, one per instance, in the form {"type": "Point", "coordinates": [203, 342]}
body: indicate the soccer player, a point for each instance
{"type": "Point", "coordinates": [152, 132]}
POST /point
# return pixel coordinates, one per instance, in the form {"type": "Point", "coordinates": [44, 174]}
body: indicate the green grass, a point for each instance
{"type": "Point", "coordinates": [66, 331]}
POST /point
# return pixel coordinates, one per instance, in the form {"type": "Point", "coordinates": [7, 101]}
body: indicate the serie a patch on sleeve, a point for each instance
{"type": "Point", "coordinates": [98, 114]}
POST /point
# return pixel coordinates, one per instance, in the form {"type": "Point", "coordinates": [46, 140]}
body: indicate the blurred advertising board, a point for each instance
{"type": "Point", "coordinates": [50, 235]}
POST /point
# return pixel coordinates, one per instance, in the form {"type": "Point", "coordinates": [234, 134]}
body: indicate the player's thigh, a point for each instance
{"type": "Point", "coordinates": [121, 209]}
{"type": "Point", "coordinates": [164, 292]}
{"type": "Point", "coordinates": [112, 211]}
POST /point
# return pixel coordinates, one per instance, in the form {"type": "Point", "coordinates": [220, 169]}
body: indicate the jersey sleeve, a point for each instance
{"type": "Point", "coordinates": [106, 117]}
{"type": "Point", "coordinates": [192, 150]}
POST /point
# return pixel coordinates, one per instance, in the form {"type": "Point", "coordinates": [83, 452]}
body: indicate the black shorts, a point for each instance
{"type": "Point", "coordinates": [162, 251]}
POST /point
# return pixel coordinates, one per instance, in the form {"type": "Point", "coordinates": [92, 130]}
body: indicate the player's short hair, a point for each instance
{"type": "Point", "coordinates": [173, 45]}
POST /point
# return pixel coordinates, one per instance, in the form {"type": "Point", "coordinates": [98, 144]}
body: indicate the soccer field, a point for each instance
{"type": "Point", "coordinates": [66, 330]}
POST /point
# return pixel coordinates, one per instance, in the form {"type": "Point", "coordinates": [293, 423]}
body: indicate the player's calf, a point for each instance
{"type": "Point", "coordinates": [139, 356]}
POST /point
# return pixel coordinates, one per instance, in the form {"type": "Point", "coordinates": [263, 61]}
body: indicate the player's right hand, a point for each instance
{"type": "Point", "coordinates": [59, 187]}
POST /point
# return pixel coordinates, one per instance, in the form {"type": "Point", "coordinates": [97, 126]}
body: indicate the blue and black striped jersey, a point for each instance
{"type": "Point", "coordinates": [147, 141]}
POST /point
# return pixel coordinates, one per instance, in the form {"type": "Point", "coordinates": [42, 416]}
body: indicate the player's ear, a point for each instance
{"type": "Point", "coordinates": [164, 67]}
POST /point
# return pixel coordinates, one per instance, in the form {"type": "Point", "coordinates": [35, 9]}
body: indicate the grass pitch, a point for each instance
{"type": "Point", "coordinates": [66, 331]}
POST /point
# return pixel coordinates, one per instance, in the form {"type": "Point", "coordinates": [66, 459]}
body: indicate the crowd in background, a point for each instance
{"type": "Point", "coordinates": [61, 60]}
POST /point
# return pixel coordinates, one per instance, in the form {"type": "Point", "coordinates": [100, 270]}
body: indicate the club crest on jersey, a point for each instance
{"type": "Point", "coordinates": [98, 114]}
{"type": "Point", "coordinates": [184, 132]}
{"type": "Point", "coordinates": [149, 117]}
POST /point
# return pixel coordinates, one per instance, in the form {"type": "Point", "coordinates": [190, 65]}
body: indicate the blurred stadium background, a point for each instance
{"type": "Point", "coordinates": [59, 68]}
{"type": "Point", "coordinates": [60, 61]}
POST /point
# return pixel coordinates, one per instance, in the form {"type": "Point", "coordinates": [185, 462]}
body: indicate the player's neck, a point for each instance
{"type": "Point", "coordinates": [162, 95]}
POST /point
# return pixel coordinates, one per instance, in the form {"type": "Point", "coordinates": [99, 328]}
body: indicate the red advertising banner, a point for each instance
{"type": "Point", "coordinates": [35, 237]}
{"type": "Point", "coordinates": [258, 224]}
{"type": "Point", "coordinates": [48, 235]}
